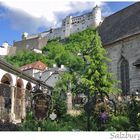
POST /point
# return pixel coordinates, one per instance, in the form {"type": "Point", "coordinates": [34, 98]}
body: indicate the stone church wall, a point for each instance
{"type": "Point", "coordinates": [129, 49]}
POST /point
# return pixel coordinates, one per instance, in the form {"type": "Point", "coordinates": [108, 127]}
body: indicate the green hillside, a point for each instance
{"type": "Point", "coordinates": [57, 51]}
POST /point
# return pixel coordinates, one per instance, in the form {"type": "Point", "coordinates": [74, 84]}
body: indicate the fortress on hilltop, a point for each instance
{"type": "Point", "coordinates": [69, 26]}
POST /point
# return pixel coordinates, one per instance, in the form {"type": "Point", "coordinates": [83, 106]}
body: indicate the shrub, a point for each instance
{"type": "Point", "coordinates": [60, 107]}
{"type": "Point", "coordinates": [118, 123]}
{"type": "Point", "coordinates": [29, 124]}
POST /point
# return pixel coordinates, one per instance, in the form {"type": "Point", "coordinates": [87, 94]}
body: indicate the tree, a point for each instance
{"type": "Point", "coordinates": [89, 71]}
{"type": "Point", "coordinates": [95, 79]}
{"type": "Point", "coordinates": [60, 53]}
{"type": "Point", "coordinates": [96, 76]}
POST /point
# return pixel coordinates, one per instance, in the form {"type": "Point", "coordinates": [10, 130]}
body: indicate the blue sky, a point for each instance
{"type": "Point", "coordinates": [21, 16]}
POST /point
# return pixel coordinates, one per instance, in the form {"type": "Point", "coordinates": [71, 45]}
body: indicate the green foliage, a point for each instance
{"type": "Point", "coordinates": [60, 107]}
{"type": "Point", "coordinates": [127, 117]}
{"type": "Point", "coordinates": [25, 57]}
{"type": "Point", "coordinates": [59, 53]}
{"type": "Point", "coordinates": [59, 97]}
{"type": "Point", "coordinates": [78, 123]}
{"type": "Point", "coordinates": [122, 108]}
{"type": "Point", "coordinates": [29, 124]}
{"type": "Point", "coordinates": [49, 126]}
{"type": "Point", "coordinates": [89, 71]}
{"type": "Point", "coordinates": [96, 76]}
{"type": "Point", "coordinates": [80, 41]}
{"type": "Point", "coordinates": [133, 108]}
{"type": "Point", "coordinates": [118, 123]}
{"type": "Point", "coordinates": [67, 123]}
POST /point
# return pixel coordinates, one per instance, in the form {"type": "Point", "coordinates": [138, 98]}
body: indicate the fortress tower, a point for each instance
{"type": "Point", "coordinates": [66, 26]}
{"type": "Point", "coordinates": [97, 17]}
{"type": "Point", "coordinates": [72, 25]}
{"type": "Point", "coordinates": [24, 35]}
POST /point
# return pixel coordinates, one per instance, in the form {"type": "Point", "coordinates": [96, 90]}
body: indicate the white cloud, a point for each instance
{"type": "Point", "coordinates": [32, 14]}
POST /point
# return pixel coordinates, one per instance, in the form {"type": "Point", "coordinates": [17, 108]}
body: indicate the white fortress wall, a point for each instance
{"type": "Point", "coordinates": [81, 23]}
{"type": "Point", "coordinates": [53, 33]}
{"type": "Point", "coordinates": [69, 26]}
{"type": "Point", "coordinates": [3, 51]}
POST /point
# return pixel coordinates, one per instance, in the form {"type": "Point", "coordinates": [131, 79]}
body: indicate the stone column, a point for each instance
{"type": "Point", "coordinates": [12, 117]}
{"type": "Point", "coordinates": [23, 114]}
{"type": "Point", "coordinates": [69, 101]}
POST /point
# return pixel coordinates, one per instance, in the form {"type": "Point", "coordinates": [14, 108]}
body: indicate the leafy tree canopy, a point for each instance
{"type": "Point", "coordinates": [92, 74]}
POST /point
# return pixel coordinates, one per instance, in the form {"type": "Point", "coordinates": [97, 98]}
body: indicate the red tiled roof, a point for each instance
{"type": "Point", "coordinates": [36, 65]}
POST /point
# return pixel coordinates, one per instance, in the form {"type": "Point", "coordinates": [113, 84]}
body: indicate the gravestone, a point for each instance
{"type": "Point", "coordinates": [41, 105]}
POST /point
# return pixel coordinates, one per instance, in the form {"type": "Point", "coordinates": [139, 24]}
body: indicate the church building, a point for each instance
{"type": "Point", "coordinates": [120, 35]}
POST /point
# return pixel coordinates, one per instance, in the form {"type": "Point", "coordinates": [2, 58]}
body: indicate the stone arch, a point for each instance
{"type": "Point", "coordinates": [19, 90]}
{"type": "Point", "coordinates": [123, 75]}
{"type": "Point", "coordinates": [5, 96]}
{"type": "Point", "coordinates": [20, 83]}
{"type": "Point", "coordinates": [28, 97]}
{"type": "Point", "coordinates": [7, 79]}
{"type": "Point", "coordinates": [29, 86]}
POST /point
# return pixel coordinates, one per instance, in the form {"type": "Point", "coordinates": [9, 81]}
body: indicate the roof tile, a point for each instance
{"type": "Point", "coordinates": [36, 65]}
